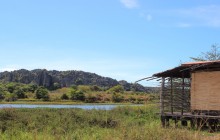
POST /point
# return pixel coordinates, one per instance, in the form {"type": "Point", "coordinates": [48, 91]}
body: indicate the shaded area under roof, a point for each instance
{"type": "Point", "coordinates": [185, 69]}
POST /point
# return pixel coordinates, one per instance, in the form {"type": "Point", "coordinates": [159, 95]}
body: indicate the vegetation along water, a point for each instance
{"type": "Point", "coordinates": [128, 123]}
{"type": "Point", "coordinates": [120, 123]}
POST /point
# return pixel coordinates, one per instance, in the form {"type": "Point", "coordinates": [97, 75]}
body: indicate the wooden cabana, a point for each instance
{"type": "Point", "coordinates": [191, 92]}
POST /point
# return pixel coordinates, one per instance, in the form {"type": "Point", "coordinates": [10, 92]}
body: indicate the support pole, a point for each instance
{"type": "Point", "coordinates": [184, 122]}
{"type": "Point", "coordinates": [176, 121]}
{"type": "Point", "coordinates": [163, 121]}
{"type": "Point", "coordinates": [162, 97]}
{"type": "Point", "coordinates": [192, 123]}
{"type": "Point", "coordinates": [171, 94]}
{"type": "Point", "coordinates": [183, 89]}
{"type": "Point", "coordinates": [167, 120]}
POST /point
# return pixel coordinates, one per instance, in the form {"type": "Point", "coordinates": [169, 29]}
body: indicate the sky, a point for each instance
{"type": "Point", "coordinates": [122, 39]}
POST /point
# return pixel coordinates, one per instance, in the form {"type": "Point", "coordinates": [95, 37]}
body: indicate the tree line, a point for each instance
{"type": "Point", "coordinates": [13, 91]}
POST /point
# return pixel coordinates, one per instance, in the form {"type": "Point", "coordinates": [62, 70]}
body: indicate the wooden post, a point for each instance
{"type": "Point", "coordinates": [167, 122]}
{"type": "Point", "coordinates": [198, 123]}
{"type": "Point", "coordinates": [176, 121]}
{"type": "Point", "coordinates": [184, 122]}
{"type": "Point", "coordinates": [171, 94]}
{"type": "Point", "coordinates": [163, 121]}
{"type": "Point", "coordinates": [183, 82]}
{"type": "Point", "coordinates": [192, 123]}
{"type": "Point", "coordinates": [162, 97]}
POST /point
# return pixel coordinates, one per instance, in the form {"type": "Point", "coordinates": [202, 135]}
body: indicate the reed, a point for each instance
{"type": "Point", "coordinates": [130, 123]}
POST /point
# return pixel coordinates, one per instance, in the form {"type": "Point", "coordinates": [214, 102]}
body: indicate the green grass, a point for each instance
{"type": "Point", "coordinates": [122, 123]}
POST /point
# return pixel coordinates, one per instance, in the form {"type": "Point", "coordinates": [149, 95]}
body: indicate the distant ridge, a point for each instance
{"type": "Point", "coordinates": [49, 79]}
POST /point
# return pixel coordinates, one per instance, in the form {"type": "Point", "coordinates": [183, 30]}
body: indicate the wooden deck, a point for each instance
{"type": "Point", "coordinates": [198, 121]}
{"type": "Point", "coordinates": [189, 115]}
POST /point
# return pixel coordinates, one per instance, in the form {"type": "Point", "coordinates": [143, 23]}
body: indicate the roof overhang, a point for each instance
{"type": "Point", "coordinates": [185, 69]}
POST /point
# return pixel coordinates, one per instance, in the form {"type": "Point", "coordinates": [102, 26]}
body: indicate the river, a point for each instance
{"type": "Point", "coordinates": [82, 106]}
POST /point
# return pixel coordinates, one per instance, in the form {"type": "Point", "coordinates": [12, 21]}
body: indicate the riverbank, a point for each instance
{"type": "Point", "coordinates": [60, 103]}
{"type": "Point", "coordinates": [130, 123]}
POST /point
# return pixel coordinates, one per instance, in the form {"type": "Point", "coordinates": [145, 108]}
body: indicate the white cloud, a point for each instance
{"type": "Point", "coordinates": [148, 17]}
{"type": "Point", "coordinates": [130, 3]}
{"type": "Point", "coordinates": [208, 15]}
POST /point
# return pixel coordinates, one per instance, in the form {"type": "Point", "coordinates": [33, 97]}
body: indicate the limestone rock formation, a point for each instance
{"type": "Point", "coordinates": [49, 79]}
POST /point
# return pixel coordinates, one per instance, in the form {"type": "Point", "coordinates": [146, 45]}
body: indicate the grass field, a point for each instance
{"type": "Point", "coordinates": [122, 123]}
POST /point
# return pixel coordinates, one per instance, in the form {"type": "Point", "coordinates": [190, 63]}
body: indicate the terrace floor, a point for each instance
{"type": "Point", "coordinates": [197, 121]}
{"type": "Point", "coordinates": [188, 115]}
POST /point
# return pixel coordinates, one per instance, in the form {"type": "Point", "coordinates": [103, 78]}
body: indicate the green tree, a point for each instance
{"type": "Point", "coordinates": [11, 87]}
{"type": "Point", "coordinates": [20, 93]}
{"type": "Point", "coordinates": [117, 97]}
{"type": "Point", "coordinates": [32, 88]}
{"type": "Point", "coordinates": [95, 88]}
{"type": "Point", "coordinates": [77, 95]}
{"type": "Point", "coordinates": [10, 97]}
{"type": "Point", "coordinates": [42, 93]}
{"type": "Point", "coordinates": [56, 86]}
{"type": "Point", "coordinates": [2, 93]}
{"type": "Point", "coordinates": [64, 97]}
{"type": "Point", "coordinates": [213, 54]}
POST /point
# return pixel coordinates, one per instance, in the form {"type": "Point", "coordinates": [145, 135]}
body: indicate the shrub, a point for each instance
{"type": "Point", "coordinates": [84, 88]}
{"type": "Point", "coordinates": [77, 95]}
{"type": "Point", "coordinates": [64, 97]}
{"type": "Point", "coordinates": [56, 86]}
{"type": "Point", "coordinates": [91, 99]}
{"type": "Point", "coordinates": [20, 93]}
{"type": "Point", "coordinates": [116, 97]}
{"type": "Point", "coordinates": [116, 89]}
{"type": "Point", "coordinates": [74, 87]}
{"type": "Point", "coordinates": [2, 94]}
{"type": "Point", "coordinates": [132, 99]}
{"type": "Point", "coordinates": [11, 87]}
{"type": "Point", "coordinates": [32, 88]}
{"type": "Point", "coordinates": [10, 97]}
{"type": "Point", "coordinates": [42, 93]}
{"type": "Point", "coordinates": [95, 88]}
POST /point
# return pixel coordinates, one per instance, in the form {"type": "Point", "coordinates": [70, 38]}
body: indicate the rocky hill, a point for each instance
{"type": "Point", "coordinates": [53, 79]}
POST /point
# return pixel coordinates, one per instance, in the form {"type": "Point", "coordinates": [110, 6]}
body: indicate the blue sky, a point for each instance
{"type": "Point", "coordinates": [121, 39]}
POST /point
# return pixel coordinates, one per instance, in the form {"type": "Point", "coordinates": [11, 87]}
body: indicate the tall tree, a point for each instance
{"type": "Point", "coordinates": [213, 54]}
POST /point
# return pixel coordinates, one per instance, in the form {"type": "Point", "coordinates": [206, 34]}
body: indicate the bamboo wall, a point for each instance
{"type": "Point", "coordinates": [176, 95]}
{"type": "Point", "coordinates": [205, 91]}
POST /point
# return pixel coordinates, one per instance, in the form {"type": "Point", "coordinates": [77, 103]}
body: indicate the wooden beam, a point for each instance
{"type": "Point", "coordinates": [183, 90]}
{"type": "Point", "coordinates": [171, 94]}
{"type": "Point", "coordinates": [147, 79]}
{"type": "Point", "coordinates": [162, 96]}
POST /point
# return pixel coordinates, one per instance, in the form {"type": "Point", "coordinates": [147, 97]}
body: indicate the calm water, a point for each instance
{"type": "Point", "coordinates": [91, 106]}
